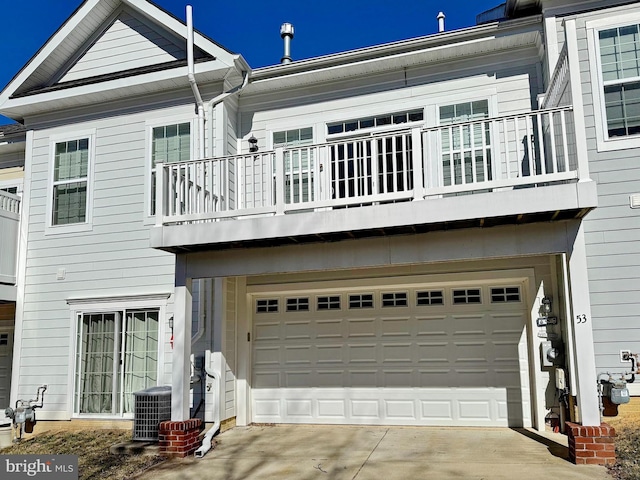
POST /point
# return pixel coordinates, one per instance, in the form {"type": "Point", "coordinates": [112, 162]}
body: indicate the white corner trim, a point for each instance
{"type": "Point", "coordinates": [23, 241]}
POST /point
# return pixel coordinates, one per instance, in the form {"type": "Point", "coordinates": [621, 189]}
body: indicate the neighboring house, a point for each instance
{"type": "Point", "coordinates": [369, 237]}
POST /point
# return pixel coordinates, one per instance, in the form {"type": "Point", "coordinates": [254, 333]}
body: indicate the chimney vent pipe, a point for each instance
{"type": "Point", "coordinates": [286, 33]}
{"type": "Point", "coordinates": [441, 18]}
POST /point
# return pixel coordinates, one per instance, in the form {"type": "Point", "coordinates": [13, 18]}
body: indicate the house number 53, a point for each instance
{"type": "Point", "coordinates": [581, 319]}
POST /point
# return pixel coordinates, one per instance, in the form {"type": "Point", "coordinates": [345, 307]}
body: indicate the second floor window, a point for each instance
{"type": "Point", "coordinates": [169, 144]}
{"type": "Point", "coordinates": [70, 180]}
{"type": "Point", "coordinates": [298, 163]}
{"type": "Point", "coordinates": [620, 63]}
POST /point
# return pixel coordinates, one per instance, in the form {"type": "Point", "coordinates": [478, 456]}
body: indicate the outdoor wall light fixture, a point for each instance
{"type": "Point", "coordinates": [253, 144]}
{"type": "Point", "coordinates": [546, 306]}
{"type": "Point", "coordinates": [171, 323]}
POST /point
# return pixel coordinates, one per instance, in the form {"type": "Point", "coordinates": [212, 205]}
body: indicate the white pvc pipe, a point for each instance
{"type": "Point", "coordinates": [194, 86]}
{"type": "Point", "coordinates": [441, 18]}
{"type": "Point", "coordinates": [206, 441]}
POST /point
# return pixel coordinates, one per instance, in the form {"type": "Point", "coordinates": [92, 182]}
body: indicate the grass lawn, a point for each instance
{"type": "Point", "coordinates": [92, 447]}
{"type": "Point", "coordinates": [627, 466]}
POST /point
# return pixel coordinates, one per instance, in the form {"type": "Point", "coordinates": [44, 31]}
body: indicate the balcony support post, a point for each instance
{"type": "Point", "coordinates": [181, 355]}
{"type": "Point", "coordinates": [576, 93]}
{"type": "Point", "coordinates": [582, 330]}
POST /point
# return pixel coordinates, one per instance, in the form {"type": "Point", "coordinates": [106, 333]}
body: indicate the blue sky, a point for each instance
{"type": "Point", "coordinates": [252, 27]}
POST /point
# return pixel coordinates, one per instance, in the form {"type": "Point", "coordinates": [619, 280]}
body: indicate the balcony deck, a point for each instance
{"type": "Point", "coordinates": [506, 170]}
{"type": "Point", "coordinates": [9, 225]}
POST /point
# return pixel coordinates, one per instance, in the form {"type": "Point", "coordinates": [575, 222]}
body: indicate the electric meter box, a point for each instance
{"type": "Point", "coordinates": [619, 395]}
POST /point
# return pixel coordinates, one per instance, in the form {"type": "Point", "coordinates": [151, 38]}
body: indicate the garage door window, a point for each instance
{"type": "Point", "coordinates": [395, 299]}
{"type": "Point", "coordinates": [361, 301]}
{"type": "Point", "coordinates": [435, 297]}
{"type": "Point", "coordinates": [505, 294]}
{"type": "Point", "coordinates": [298, 304]}
{"type": "Point", "coordinates": [267, 305]}
{"type": "Point", "coordinates": [4, 339]}
{"type": "Point", "coordinates": [329, 303]}
{"type": "Point", "coordinates": [467, 296]}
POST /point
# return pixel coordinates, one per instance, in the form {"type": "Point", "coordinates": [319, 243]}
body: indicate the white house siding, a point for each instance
{"type": "Point", "coordinates": [229, 347]}
{"type": "Point", "coordinates": [128, 43]}
{"type": "Point", "coordinates": [612, 231]}
{"type": "Point", "coordinates": [112, 259]}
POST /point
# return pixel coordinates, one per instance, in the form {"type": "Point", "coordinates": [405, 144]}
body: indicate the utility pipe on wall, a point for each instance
{"type": "Point", "coordinates": [217, 386]}
{"type": "Point", "coordinates": [194, 85]}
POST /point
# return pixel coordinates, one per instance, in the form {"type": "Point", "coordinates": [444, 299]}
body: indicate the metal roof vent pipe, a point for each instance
{"type": "Point", "coordinates": [441, 18]}
{"type": "Point", "coordinates": [286, 33]}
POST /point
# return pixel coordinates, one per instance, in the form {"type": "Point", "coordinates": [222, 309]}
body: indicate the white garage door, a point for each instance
{"type": "Point", "coordinates": [420, 355]}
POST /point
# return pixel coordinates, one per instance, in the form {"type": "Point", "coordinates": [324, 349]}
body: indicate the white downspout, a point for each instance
{"type": "Point", "coordinates": [194, 86]}
{"type": "Point", "coordinates": [219, 98]}
{"type": "Point", "coordinates": [206, 441]}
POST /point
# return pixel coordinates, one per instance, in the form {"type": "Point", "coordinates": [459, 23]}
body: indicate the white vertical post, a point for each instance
{"type": "Point", "coordinates": [582, 333]}
{"type": "Point", "coordinates": [280, 183]}
{"type": "Point", "coordinates": [418, 164]}
{"type": "Point", "coordinates": [576, 93]}
{"type": "Point", "coordinates": [160, 181]}
{"type": "Point", "coordinates": [181, 360]}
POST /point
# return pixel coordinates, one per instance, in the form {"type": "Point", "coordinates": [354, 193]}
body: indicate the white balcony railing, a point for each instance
{"type": "Point", "coordinates": [9, 224]}
{"type": "Point", "coordinates": [528, 150]}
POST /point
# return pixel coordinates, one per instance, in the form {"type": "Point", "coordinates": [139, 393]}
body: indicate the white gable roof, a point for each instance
{"type": "Point", "coordinates": [104, 40]}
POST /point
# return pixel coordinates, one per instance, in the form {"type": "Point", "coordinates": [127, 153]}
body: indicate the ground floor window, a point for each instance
{"type": "Point", "coordinates": [117, 354]}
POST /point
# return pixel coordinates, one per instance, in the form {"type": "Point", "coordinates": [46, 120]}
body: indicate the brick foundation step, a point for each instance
{"type": "Point", "coordinates": [591, 445]}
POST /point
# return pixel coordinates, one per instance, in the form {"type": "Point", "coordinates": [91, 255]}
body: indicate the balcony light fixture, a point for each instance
{"type": "Point", "coordinates": [253, 144]}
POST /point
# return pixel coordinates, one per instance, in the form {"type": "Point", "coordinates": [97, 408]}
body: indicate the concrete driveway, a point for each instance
{"type": "Point", "coordinates": [387, 453]}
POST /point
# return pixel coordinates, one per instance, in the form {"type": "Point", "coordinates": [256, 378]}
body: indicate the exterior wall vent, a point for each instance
{"type": "Point", "coordinates": [151, 407]}
{"type": "Point", "coordinates": [634, 200]}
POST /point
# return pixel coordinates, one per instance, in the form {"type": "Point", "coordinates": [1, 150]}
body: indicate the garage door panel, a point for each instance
{"type": "Point", "coordinates": [362, 353]}
{"type": "Point", "coordinates": [400, 365]}
{"type": "Point", "coordinates": [431, 326]}
{"type": "Point", "coordinates": [362, 327]}
{"type": "Point", "coordinates": [362, 378]}
{"type": "Point", "coordinates": [469, 325]}
{"type": "Point", "coordinates": [267, 331]}
{"type": "Point", "coordinates": [330, 354]}
{"type": "Point", "coordinates": [397, 352]}
{"type": "Point", "coordinates": [328, 329]}
{"type": "Point", "coordinates": [398, 378]}
{"type": "Point", "coordinates": [297, 330]}
{"type": "Point", "coordinates": [396, 327]}
{"type": "Point", "coordinates": [267, 380]}
{"type": "Point", "coordinates": [298, 355]}
{"type": "Point", "coordinates": [433, 352]}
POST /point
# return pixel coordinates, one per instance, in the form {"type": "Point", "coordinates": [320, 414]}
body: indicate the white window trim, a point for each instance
{"type": "Point", "coordinates": [149, 126]}
{"type": "Point", "coordinates": [78, 306]}
{"type": "Point", "coordinates": [603, 142]}
{"type": "Point", "coordinates": [87, 225]}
